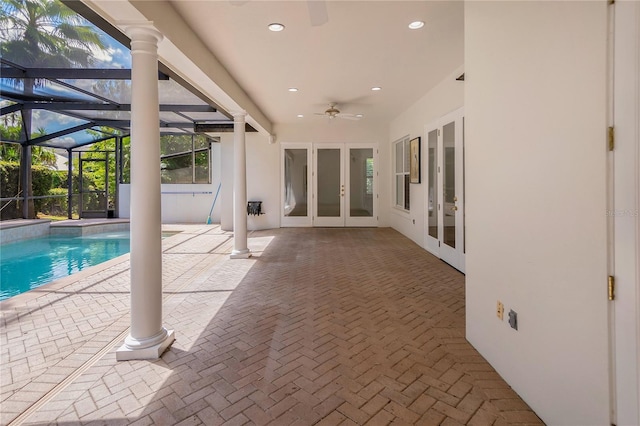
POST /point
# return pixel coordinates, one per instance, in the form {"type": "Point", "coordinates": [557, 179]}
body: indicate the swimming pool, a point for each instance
{"type": "Point", "coordinates": [28, 264]}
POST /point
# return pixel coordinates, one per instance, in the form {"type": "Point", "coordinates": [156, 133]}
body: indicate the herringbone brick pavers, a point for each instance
{"type": "Point", "coordinates": [321, 326]}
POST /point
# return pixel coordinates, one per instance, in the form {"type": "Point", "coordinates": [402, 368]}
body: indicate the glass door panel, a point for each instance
{"type": "Point", "coordinates": [336, 186]}
{"type": "Point", "coordinates": [296, 185]}
{"type": "Point", "coordinates": [329, 187]}
{"type": "Point", "coordinates": [295, 182]}
{"type": "Point", "coordinates": [361, 182]}
{"type": "Point", "coordinates": [360, 170]}
{"type": "Point", "coordinates": [432, 182]}
{"type": "Point", "coordinates": [444, 231]}
{"type": "Point", "coordinates": [449, 184]}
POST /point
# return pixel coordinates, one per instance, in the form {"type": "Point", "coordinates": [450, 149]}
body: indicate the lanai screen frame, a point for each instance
{"type": "Point", "coordinates": [96, 116]}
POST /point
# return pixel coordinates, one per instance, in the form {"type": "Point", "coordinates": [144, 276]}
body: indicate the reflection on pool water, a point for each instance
{"type": "Point", "coordinates": [25, 265]}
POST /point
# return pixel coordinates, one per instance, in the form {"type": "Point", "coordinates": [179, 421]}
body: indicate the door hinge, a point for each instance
{"type": "Point", "coordinates": [611, 287]}
{"type": "Point", "coordinates": [612, 2]}
{"type": "Point", "coordinates": [611, 138]}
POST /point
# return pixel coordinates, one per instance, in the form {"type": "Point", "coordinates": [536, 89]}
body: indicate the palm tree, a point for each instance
{"type": "Point", "coordinates": [46, 33]}
{"type": "Point", "coordinates": [43, 33]}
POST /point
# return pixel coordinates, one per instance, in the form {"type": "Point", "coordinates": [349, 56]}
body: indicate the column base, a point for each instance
{"type": "Point", "coordinates": [240, 254]}
{"type": "Point", "coordinates": [126, 353]}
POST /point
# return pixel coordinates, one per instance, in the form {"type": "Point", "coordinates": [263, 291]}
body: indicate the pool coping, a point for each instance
{"type": "Point", "coordinates": [12, 231]}
{"type": "Point", "coordinates": [15, 230]}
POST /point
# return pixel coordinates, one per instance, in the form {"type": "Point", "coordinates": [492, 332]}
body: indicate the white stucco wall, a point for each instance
{"type": "Point", "coordinates": [263, 174]}
{"type": "Point", "coordinates": [183, 203]}
{"type": "Point", "coordinates": [439, 101]}
{"type": "Point", "coordinates": [535, 107]}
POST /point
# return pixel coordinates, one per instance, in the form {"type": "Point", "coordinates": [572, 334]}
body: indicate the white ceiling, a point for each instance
{"type": "Point", "coordinates": [363, 44]}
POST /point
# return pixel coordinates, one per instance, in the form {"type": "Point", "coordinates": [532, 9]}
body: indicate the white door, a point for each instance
{"type": "Point", "coordinates": [296, 184]}
{"type": "Point", "coordinates": [444, 159]}
{"type": "Point", "coordinates": [329, 185]}
{"type": "Point", "coordinates": [345, 185]}
{"type": "Point", "coordinates": [624, 215]}
{"type": "Point", "coordinates": [361, 195]}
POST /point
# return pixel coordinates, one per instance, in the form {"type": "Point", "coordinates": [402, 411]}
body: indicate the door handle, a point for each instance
{"type": "Point", "coordinates": [454, 208]}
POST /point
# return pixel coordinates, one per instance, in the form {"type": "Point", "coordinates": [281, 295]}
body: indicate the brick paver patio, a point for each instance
{"type": "Point", "coordinates": [320, 326]}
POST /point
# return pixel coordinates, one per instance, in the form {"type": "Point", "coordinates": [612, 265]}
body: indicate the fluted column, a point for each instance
{"type": "Point", "coordinates": [240, 250]}
{"type": "Point", "coordinates": [147, 338]}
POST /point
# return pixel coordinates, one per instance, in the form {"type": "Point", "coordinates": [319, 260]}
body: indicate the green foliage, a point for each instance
{"type": "Point", "coordinates": [46, 33]}
{"type": "Point", "coordinates": [10, 129]}
{"type": "Point", "coordinates": [9, 152]}
{"type": "Point", "coordinates": [40, 155]}
{"type": "Point", "coordinates": [57, 205]}
{"type": "Point", "coordinates": [45, 182]}
{"type": "Point", "coordinates": [177, 159]}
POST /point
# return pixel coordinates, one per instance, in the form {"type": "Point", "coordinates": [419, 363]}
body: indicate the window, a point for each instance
{"type": "Point", "coordinates": [402, 173]}
{"type": "Point", "coordinates": [185, 159]}
{"type": "Point", "coordinates": [369, 176]}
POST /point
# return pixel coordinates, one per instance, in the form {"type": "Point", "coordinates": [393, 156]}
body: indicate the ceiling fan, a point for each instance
{"type": "Point", "coordinates": [333, 112]}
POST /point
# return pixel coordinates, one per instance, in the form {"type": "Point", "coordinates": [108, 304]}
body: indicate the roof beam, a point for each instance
{"type": "Point", "coordinates": [220, 128]}
{"type": "Point", "coordinates": [9, 109]}
{"type": "Point", "coordinates": [54, 135]}
{"type": "Point", "coordinates": [88, 106]}
{"type": "Point", "coordinates": [72, 73]}
{"type": "Point", "coordinates": [127, 123]}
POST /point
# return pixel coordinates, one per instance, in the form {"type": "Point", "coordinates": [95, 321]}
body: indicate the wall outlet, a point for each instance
{"type": "Point", "coordinates": [500, 310]}
{"type": "Point", "coordinates": [513, 319]}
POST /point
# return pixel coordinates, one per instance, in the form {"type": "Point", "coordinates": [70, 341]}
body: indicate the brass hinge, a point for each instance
{"type": "Point", "coordinates": [611, 138]}
{"type": "Point", "coordinates": [612, 2]}
{"type": "Point", "coordinates": [611, 287]}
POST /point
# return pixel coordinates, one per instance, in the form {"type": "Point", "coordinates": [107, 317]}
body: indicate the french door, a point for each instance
{"type": "Point", "coordinates": [444, 155]}
{"type": "Point", "coordinates": [329, 185]}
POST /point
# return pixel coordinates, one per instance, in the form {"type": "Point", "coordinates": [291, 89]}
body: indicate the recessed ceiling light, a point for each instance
{"type": "Point", "coordinates": [375, 89]}
{"type": "Point", "coordinates": [300, 116]}
{"type": "Point", "coordinates": [293, 89]}
{"type": "Point", "coordinates": [416, 25]}
{"type": "Point", "coordinates": [276, 27]}
{"type": "Point", "coordinates": [359, 115]}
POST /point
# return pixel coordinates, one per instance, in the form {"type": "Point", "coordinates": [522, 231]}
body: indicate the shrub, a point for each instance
{"type": "Point", "coordinates": [45, 181]}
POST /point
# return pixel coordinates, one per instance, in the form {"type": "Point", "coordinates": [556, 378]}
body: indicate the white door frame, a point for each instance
{"type": "Point", "coordinates": [293, 221]}
{"type": "Point", "coordinates": [361, 220]}
{"type": "Point", "coordinates": [337, 221]}
{"type": "Point", "coordinates": [312, 219]}
{"type": "Point", "coordinates": [454, 256]}
{"type": "Point", "coordinates": [624, 214]}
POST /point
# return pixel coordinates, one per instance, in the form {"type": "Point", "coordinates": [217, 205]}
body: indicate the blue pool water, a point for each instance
{"type": "Point", "coordinates": [25, 265]}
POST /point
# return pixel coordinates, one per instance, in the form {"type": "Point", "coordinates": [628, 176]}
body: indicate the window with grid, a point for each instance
{"type": "Point", "coordinates": [185, 159]}
{"type": "Point", "coordinates": [401, 174]}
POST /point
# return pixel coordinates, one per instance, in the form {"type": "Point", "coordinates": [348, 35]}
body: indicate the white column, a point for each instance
{"type": "Point", "coordinates": [240, 250]}
{"type": "Point", "coordinates": [148, 339]}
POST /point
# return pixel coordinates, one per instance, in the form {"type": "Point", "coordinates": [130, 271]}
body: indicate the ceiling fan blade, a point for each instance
{"type": "Point", "coordinates": [348, 116]}
{"type": "Point", "coordinates": [318, 14]}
